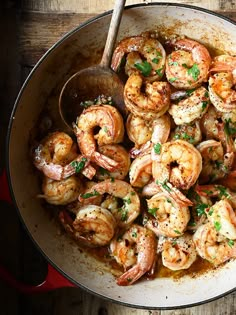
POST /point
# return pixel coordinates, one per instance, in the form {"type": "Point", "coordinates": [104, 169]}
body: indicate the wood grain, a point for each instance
{"type": "Point", "coordinates": [41, 23]}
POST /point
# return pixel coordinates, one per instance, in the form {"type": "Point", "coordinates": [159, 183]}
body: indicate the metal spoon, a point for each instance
{"type": "Point", "coordinates": [97, 80]}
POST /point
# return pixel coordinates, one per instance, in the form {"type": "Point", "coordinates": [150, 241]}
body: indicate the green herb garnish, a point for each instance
{"type": "Point", "coordinates": [89, 195]}
{"type": "Point", "coordinates": [194, 71]}
{"type": "Point", "coordinates": [157, 148]}
{"type": "Point", "coordinates": [79, 165]}
{"type": "Point", "coordinates": [200, 208]}
{"type": "Point", "coordinates": [217, 226]}
{"type": "Point", "coordinates": [152, 211]}
{"type": "Point", "coordinates": [145, 68]}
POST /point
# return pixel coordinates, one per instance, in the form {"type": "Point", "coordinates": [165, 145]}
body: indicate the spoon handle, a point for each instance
{"type": "Point", "coordinates": [112, 33]}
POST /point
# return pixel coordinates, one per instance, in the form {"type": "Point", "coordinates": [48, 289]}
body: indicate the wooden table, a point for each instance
{"type": "Point", "coordinates": [27, 31]}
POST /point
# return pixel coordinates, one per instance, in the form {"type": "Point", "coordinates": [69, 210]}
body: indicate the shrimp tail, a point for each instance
{"type": "Point", "coordinates": [130, 276]}
{"type": "Point", "coordinates": [105, 161]}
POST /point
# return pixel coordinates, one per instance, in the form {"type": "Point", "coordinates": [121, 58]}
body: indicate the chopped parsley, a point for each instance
{"type": "Point", "coordinates": [210, 212]}
{"type": "Point", "coordinates": [79, 165]}
{"type": "Point", "coordinates": [204, 104]}
{"type": "Point", "coordinates": [124, 214]}
{"type": "Point", "coordinates": [89, 195]}
{"type": "Point", "coordinates": [190, 92]}
{"type": "Point", "coordinates": [103, 171]}
{"type": "Point", "coordinates": [223, 192]}
{"type": "Point", "coordinates": [152, 211]}
{"type": "Point", "coordinates": [177, 231]}
{"type": "Point", "coordinates": [159, 71]}
{"type": "Point", "coordinates": [145, 68]}
{"type": "Point", "coordinates": [193, 71]}
{"type": "Point", "coordinates": [200, 208]}
{"type": "Point", "coordinates": [164, 185]}
{"type": "Point", "coordinates": [231, 243]}
{"type": "Point", "coordinates": [172, 79]}
{"type": "Point", "coordinates": [157, 148]}
{"type": "Point", "coordinates": [228, 129]}
{"type": "Point", "coordinates": [217, 226]}
{"type": "Point", "coordinates": [127, 200]}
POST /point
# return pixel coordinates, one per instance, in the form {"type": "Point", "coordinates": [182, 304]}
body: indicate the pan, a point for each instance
{"type": "Point", "coordinates": [81, 48]}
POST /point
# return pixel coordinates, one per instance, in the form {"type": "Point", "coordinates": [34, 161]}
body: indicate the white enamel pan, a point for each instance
{"type": "Point", "coordinates": [80, 48]}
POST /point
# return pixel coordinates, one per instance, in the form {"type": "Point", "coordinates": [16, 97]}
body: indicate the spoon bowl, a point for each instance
{"type": "Point", "coordinates": [89, 83]}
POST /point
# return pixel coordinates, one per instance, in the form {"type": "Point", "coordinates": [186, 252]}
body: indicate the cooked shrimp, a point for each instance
{"type": "Point", "coordinates": [56, 156]}
{"type": "Point", "coordinates": [140, 171]}
{"type": "Point", "coordinates": [61, 192]}
{"type": "Point", "coordinates": [166, 216]}
{"type": "Point", "coordinates": [130, 209]}
{"type": "Point", "coordinates": [212, 246]}
{"type": "Point", "coordinates": [215, 164]}
{"type": "Point", "coordinates": [111, 131]}
{"type": "Point", "coordinates": [152, 66]}
{"type": "Point", "coordinates": [210, 123]}
{"type": "Point", "coordinates": [191, 108]}
{"type": "Point", "coordinates": [151, 104]}
{"type": "Point", "coordinates": [222, 92]}
{"type": "Point", "coordinates": [119, 154]}
{"type": "Point", "coordinates": [189, 132]}
{"type": "Point", "coordinates": [135, 250]}
{"type": "Point", "coordinates": [179, 163]}
{"type": "Point", "coordinates": [93, 226]}
{"type": "Point", "coordinates": [225, 63]}
{"type": "Point", "coordinates": [177, 253]}
{"type": "Point", "coordinates": [187, 66]}
{"type": "Point", "coordinates": [139, 129]}
{"type": "Point", "coordinates": [222, 83]}
{"type": "Point", "coordinates": [223, 217]}
{"type": "Point", "coordinates": [152, 188]}
{"type": "Point", "coordinates": [160, 133]}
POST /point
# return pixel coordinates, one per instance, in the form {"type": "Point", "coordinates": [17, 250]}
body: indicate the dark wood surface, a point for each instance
{"type": "Point", "coordinates": [28, 29]}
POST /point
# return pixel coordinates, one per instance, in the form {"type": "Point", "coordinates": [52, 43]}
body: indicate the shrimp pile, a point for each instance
{"type": "Point", "coordinates": [155, 186]}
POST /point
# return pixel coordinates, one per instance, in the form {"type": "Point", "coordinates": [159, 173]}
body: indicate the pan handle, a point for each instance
{"type": "Point", "coordinates": [54, 280]}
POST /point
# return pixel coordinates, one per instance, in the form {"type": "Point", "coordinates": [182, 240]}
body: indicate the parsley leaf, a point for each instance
{"type": "Point", "coordinates": [157, 148]}
{"type": "Point", "coordinates": [200, 208]}
{"type": "Point", "coordinates": [217, 226]}
{"type": "Point", "coordinates": [79, 165]}
{"type": "Point", "coordinates": [89, 195]}
{"type": "Point", "coordinates": [144, 67]}
{"type": "Point", "coordinates": [194, 72]}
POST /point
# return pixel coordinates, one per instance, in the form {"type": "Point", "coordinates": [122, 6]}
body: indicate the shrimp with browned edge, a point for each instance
{"type": "Point", "coordinates": [128, 211]}
{"type": "Point", "coordinates": [188, 64]}
{"type": "Point", "coordinates": [177, 253]}
{"type": "Point", "coordinates": [189, 132]}
{"type": "Point", "coordinates": [111, 130]}
{"type": "Point", "coordinates": [216, 164]}
{"type": "Point", "coordinates": [222, 83]}
{"type": "Point", "coordinates": [56, 156]}
{"type": "Point", "coordinates": [193, 107]}
{"type": "Point", "coordinates": [149, 50]}
{"type": "Point", "coordinates": [165, 216]}
{"type": "Point", "coordinates": [150, 104]}
{"type": "Point", "coordinates": [140, 171]}
{"type": "Point", "coordinates": [93, 226]}
{"type": "Point", "coordinates": [177, 162]}
{"type": "Point", "coordinates": [160, 133]}
{"type": "Point", "coordinates": [119, 154]}
{"type": "Point", "coordinates": [213, 246]}
{"type": "Point", "coordinates": [61, 192]}
{"type": "Point", "coordinates": [135, 250]}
